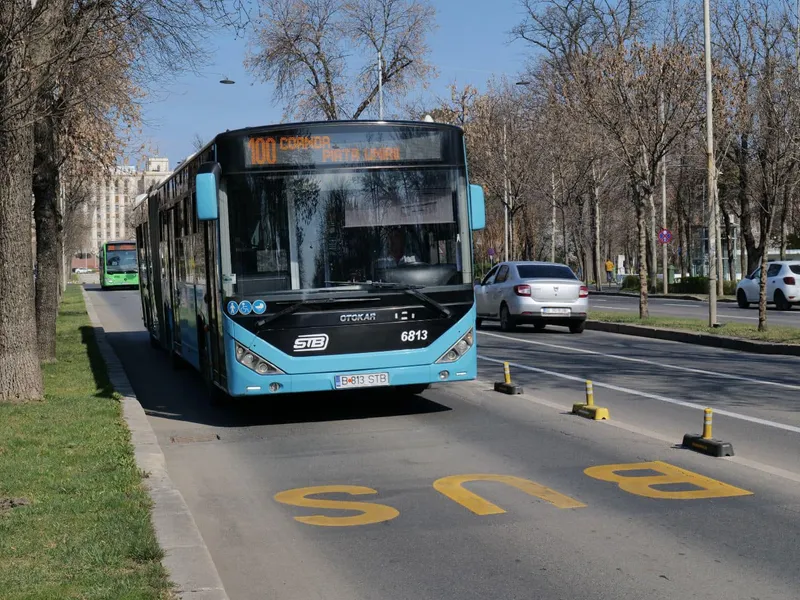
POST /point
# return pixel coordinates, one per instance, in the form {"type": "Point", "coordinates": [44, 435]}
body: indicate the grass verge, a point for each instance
{"type": "Point", "coordinates": [776, 334]}
{"type": "Point", "coordinates": [83, 530]}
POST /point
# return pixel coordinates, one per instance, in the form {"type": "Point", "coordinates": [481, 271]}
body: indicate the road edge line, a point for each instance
{"type": "Point", "coordinates": [697, 339]}
{"type": "Point", "coordinates": [186, 556]}
{"type": "Point", "coordinates": [480, 382]}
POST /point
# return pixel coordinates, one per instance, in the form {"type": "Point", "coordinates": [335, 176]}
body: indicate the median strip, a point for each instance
{"type": "Point", "coordinates": [732, 336]}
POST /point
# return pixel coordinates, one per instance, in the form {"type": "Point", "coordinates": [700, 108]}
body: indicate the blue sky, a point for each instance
{"type": "Point", "coordinates": [471, 43]}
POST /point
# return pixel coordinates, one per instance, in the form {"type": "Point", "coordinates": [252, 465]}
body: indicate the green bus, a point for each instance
{"type": "Point", "coordinates": [118, 265]}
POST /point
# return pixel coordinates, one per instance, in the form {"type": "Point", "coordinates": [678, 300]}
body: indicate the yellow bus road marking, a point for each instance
{"type": "Point", "coordinates": [370, 513]}
{"type": "Point", "coordinates": [453, 488]}
{"type": "Point", "coordinates": [644, 485]}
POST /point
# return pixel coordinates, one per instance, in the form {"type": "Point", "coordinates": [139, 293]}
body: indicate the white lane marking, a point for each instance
{"type": "Point", "coordinates": [617, 308]}
{"type": "Point", "coordinates": [644, 361]}
{"type": "Point", "coordinates": [682, 304]}
{"type": "Point", "coordinates": [759, 466]}
{"type": "Point", "coordinates": [617, 388]}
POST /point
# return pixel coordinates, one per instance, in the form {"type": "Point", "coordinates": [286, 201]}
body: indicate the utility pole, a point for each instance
{"type": "Point", "coordinates": [380, 86]}
{"type": "Point", "coordinates": [505, 196]}
{"type": "Point", "coordinates": [665, 285]}
{"type": "Point", "coordinates": [553, 218]}
{"type": "Point", "coordinates": [711, 167]}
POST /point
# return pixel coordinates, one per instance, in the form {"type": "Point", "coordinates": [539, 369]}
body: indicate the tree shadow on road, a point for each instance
{"type": "Point", "coordinates": [96, 362]}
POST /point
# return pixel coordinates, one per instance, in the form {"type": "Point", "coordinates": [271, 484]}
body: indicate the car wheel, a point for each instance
{"type": "Point", "coordinates": [781, 303]}
{"type": "Point", "coordinates": [577, 327]}
{"type": "Point", "coordinates": [539, 326]}
{"type": "Point", "coordinates": [478, 323]}
{"type": "Point", "coordinates": [506, 321]}
{"type": "Point", "coordinates": [741, 299]}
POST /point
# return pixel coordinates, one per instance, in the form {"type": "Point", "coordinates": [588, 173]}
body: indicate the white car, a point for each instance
{"type": "Point", "coordinates": [782, 285]}
{"type": "Point", "coordinates": [538, 293]}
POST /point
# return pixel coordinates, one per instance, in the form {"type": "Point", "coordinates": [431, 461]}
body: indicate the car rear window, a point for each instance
{"type": "Point", "coordinates": [545, 272]}
{"type": "Point", "coordinates": [795, 269]}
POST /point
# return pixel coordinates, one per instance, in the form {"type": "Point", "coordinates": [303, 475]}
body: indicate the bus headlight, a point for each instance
{"type": "Point", "coordinates": [254, 362]}
{"type": "Point", "coordinates": [459, 349]}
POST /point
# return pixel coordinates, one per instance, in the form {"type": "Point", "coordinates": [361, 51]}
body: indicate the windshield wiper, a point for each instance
{"type": "Point", "coordinates": [412, 290]}
{"type": "Point", "coordinates": [292, 308]}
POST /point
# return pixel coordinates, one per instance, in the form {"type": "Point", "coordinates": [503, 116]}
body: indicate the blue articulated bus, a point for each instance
{"type": "Point", "coordinates": [315, 256]}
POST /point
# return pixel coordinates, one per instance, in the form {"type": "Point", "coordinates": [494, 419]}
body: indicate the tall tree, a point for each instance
{"type": "Point", "coordinates": [322, 55]}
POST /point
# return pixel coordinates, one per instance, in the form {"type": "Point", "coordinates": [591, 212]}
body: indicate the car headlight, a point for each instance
{"type": "Point", "coordinates": [254, 362]}
{"type": "Point", "coordinates": [459, 349]}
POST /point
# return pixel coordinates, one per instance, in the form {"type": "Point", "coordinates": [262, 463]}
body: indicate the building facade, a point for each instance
{"type": "Point", "coordinates": [113, 197]}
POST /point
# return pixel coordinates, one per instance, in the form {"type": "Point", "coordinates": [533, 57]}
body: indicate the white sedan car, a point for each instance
{"type": "Point", "coordinates": [538, 293]}
{"type": "Point", "coordinates": [782, 285]}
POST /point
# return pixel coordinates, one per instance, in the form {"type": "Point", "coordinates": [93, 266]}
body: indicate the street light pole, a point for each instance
{"type": "Point", "coordinates": [711, 179]}
{"type": "Point", "coordinates": [380, 86]}
{"type": "Point", "coordinates": [665, 285]}
{"type": "Point", "coordinates": [505, 196]}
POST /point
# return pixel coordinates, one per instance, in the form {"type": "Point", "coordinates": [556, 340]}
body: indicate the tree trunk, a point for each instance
{"type": "Point", "coordinates": [729, 249]}
{"type": "Point", "coordinates": [749, 241]}
{"type": "Point", "coordinates": [762, 291]}
{"type": "Point", "coordinates": [20, 374]}
{"type": "Point", "coordinates": [596, 257]}
{"type": "Point", "coordinates": [652, 266]}
{"type": "Point", "coordinates": [641, 230]}
{"type": "Point", "coordinates": [48, 242]}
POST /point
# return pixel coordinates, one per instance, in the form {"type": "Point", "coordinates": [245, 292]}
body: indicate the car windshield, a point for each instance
{"type": "Point", "coordinates": [311, 231]}
{"type": "Point", "coordinates": [121, 261]}
{"type": "Point", "coordinates": [545, 272]}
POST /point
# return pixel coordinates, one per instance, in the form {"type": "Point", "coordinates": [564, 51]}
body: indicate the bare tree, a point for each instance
{"type": "Point", "coordinates": [306, 48]}
{"type": "Point", "coordinates": [40, 42]}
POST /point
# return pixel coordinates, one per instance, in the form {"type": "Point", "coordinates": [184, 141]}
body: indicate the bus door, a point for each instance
{"type": "Point", "coordinates": [214, 335]}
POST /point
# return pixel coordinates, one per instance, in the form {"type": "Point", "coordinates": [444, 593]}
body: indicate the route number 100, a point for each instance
{"type": "Point", "coordinates": [414, 335]}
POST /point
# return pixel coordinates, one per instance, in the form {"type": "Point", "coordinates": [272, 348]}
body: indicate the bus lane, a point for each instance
{"type": "Point", "coordinates": [458, 493]}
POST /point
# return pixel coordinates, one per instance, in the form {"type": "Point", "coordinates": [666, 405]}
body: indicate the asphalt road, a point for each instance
{"type": "Point", "coordinates": [726, 529]}
{"type": "Point", "coordinates": [727, 312]}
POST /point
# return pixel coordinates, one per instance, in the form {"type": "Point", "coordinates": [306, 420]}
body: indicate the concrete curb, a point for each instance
{"type": "Point", "coordinates": [660, 296]}
{"type": "Point", "coordinates": [187, 558]}
{"type": "Point", "coordinates": [699, 339]}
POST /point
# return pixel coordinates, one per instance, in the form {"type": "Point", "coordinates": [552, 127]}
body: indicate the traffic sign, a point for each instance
{"type": "Point", "coordinates": [491, 251]}
{"type": "Point", "coordinates": [665, 236]}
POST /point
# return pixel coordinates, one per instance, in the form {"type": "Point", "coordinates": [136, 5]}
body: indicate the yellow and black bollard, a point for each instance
{"type": "Point", "coordinates": [505, 386]}
{"type": "Point", "coordinates": [704, 443]}
{"type": "Point", "coordinates": [588, 409]}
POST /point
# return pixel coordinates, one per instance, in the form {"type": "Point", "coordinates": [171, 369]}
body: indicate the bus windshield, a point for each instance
{"type": "Point", "coordinates": [310, 231]}
{"type": "Point", "coordinates": [120, 261]}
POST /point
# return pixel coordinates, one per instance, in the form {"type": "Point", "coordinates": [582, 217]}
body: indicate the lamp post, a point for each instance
{"type": "Point", "coordinates": [711, 176]}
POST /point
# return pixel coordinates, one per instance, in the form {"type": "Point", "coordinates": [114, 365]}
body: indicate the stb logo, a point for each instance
{"type": "Point", "coordinates": [315, 342]}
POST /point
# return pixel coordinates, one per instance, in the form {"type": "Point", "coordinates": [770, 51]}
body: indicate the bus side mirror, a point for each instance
{"type": "Point", "coordinates": [477, 207]}
{"type": "Point", "coordinates": [206, 190]}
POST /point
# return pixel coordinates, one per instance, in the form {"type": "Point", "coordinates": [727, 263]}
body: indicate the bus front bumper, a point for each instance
{"type": "Point", "coordinates": [464, 369]}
